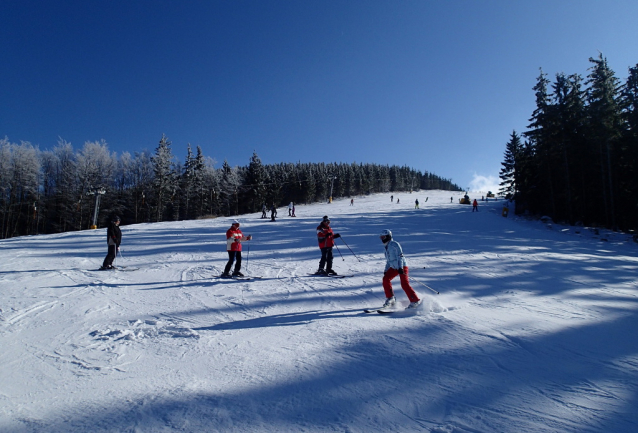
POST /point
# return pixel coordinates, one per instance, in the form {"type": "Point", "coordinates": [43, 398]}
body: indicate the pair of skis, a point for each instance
{"type": "Point", "coordinates": [390, 310]}
{"type": "Point", "coordinates": [382, 310]}
{"type": "Point", "coordinates": [119, 268]}
{"type": "Point", "coordinates": [237, 277]}
{"type": "Point", "coordinates": [328, 275]}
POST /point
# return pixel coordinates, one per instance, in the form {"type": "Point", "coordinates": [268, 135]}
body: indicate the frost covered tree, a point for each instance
{"type": "Point", "coordinates": [256, 183]}
{"type": "Point", "coordinates": [20, 184]}
{"type": "Point", "coordinates": [230, 185]}
{"type": "Point", "coordinates": [164, 177]}
{"type": "Point", "coordinates": [141, 187]}
{"type": "Point", "coordinates": [95, 171]}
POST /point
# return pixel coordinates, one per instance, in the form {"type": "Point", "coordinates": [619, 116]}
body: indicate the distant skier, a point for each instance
{"type": "Point", "coordinates": [113, 240]}
{"type": "Point", "coordinates": [474, 206]}
{"type": "Point", "coordinates": [351, 202]}
{"type": "Point", "coordinates": [416, 203]}
{"type": "Point", "coordinates": [398, 200]}
{"type": "Point", "coordinates": [326, 238]}
{"type": "Point", "coordinates": [273, 213]}
{"type": "Point", "coordinates": [263, 211]}
{"type": "Point", "coordinates": [234, 239]}
{"type": "Point", "coordinates": [290, 209]}
{"type": "Point", "coordinates": [293, 209]}
{"type": "Point", "coordinates": [391, 199]}
{"type": "Point", "coordinates": [396, 265]}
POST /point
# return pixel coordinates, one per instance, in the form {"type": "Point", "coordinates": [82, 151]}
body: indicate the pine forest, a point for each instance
{"type": "Point", "coordinates": [63, 190]}
{"type": "Point", "coordinates": [578, 160]}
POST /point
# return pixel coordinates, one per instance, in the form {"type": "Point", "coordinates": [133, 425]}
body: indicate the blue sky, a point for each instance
{"type": "Point", "coordinates": [436, 85]}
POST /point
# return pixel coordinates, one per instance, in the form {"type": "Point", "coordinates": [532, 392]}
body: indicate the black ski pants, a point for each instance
{"type": "Point", "coordinates": [326, 258]}
{"type": "Point", "coordinates": [233, 256]}
{"type": "Point", "coordinates": [110, 256]}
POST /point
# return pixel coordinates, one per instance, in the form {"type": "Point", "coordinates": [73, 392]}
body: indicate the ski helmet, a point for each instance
{"type": "Point", "coordinates": [235, 222]}
{"type": "Point", "coordinates": [116, 219]}
{"type": "Point", "coordinates": [385, 235]}
{"type": "Point", "coordinates": [325, 219]}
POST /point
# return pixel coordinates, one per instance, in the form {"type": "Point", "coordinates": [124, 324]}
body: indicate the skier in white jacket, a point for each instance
{"type": "Point", "coordinates": [396, 265]}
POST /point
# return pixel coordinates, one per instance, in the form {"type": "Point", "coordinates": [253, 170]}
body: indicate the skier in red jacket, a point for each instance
{"type": "Point", "coordinates": [326, 238]}
{"type": "Point", "coordinates": [234, 238]}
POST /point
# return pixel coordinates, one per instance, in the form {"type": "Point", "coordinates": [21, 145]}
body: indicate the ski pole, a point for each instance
{"type": "Point", "coordinates": [414, 279]}
{"type": "Point", "coordinates": [341, 237]}
{"type": "Point", "coordinates": [340, 253]}
{"type": "Point", "coordinates": [117, 250]}
{"type": "Point", "coordinates": [247, 255]}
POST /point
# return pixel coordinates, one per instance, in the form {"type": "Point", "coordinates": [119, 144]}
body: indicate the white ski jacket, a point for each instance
{"type": "Point", "coordinates": [394, 256]}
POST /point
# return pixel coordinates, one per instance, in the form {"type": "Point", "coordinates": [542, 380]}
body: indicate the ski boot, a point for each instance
{"type": "Point", "coordinates": [389, 302]}
{"type": "Point", "coordinates": [414, 304]}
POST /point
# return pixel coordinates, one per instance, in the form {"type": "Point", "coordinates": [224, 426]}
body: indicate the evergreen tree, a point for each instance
{"type": "Point", "coordinates": [231, 182]}
{"type": "Point", "coordinates": [628, 161]}
{"type": "Point", "coordinates": [256, 180]}
{"type": "Point", "coordinates": [542, 185]}
{"type": "Point", "coordinates": [187, 180]}
{"type": "Point", "coordinates": [199, 192]}
{"type": "Point", "coordinates": [567, 141]}
{"type": "Point", "coordinates": [164, 177]}
{"type": "Point", "coordinates": [605, 129]}
{"type": "Point", "coordinates": [508, 172]}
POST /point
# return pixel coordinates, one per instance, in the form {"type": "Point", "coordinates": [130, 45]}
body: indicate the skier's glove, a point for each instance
{"type": "Point", "coordinates": [400, 271]}
{"type": "Point", "coordinates": [337, 236]}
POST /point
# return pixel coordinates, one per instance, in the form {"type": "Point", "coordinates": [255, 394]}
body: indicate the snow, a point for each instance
{"type": "Point", "coordinates": [533, 329]}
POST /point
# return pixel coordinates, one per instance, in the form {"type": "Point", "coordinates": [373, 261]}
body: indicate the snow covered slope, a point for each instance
{"type": "Point", "coordinates": [534, 329]}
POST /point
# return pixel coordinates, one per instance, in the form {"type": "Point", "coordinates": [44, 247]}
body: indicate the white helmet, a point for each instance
{"type": "Point", "coordinates": [385, 232]}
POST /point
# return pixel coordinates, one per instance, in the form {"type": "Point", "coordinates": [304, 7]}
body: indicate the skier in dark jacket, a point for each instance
{"type": "Point", "coordinates": [113, 240]}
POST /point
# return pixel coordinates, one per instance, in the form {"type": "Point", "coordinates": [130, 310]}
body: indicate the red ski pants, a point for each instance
{"type": "Point", "coordinates": [405, 284]}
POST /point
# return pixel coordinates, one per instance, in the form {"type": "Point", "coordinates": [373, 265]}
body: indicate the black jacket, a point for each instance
{"type": "Point", "coordinates": [113, 235]}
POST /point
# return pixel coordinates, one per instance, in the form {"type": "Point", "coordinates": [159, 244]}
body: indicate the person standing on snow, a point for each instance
{"type": "Point", "coordinates": [290, 209]}
{"type": "Point", "coordinates": [326, 238]}
{"type": "Point", "coordinates": [113, 240]}
{"type": "Point", "coordinates": [416, 203]}
{"type": "Point", "coordinates": [396, 265]}
{"type": "Point", "coordinates": [234, 238]}
{"type": "Point", "coordinates": [475, 206]}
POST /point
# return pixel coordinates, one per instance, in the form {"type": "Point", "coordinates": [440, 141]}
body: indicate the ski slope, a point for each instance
{"type": "Point", "coordinates": [533, 330]}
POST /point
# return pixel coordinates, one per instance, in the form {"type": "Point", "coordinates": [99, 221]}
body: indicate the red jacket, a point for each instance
{"type": "Point", "coordinates": [234, 237]}
{"type": "Point", "coordinates": [325, 236]}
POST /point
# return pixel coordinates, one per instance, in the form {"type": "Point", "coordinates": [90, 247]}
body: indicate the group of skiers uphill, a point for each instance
{"type": "Point", "coordinates": [395, 261]}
